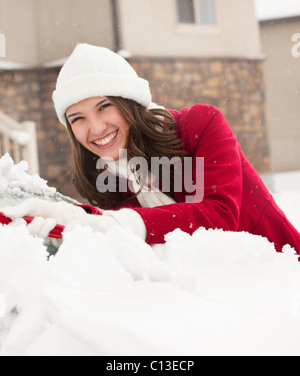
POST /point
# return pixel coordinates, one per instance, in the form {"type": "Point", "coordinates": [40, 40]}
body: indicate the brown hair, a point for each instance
{"type": "Point", "coordinates": [152, 133]}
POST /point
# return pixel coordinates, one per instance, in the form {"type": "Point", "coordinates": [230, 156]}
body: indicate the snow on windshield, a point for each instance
{"type": "Point", "coordinates": [16, 185]}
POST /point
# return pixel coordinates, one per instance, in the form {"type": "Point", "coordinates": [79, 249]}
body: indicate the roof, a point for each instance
{"type": "Point", "coordinates": [276, 9]}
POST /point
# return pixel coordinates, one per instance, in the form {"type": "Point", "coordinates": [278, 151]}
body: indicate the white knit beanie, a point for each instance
{"type": "Point", "coordinates": [93, 71]}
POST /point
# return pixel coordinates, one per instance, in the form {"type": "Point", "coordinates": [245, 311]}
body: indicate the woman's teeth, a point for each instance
{"type": "Point", "coordinates": [105, 141]}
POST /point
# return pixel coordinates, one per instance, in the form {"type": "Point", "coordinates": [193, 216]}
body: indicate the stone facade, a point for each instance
{"type": "Point", "coordinates": [234, 86]}
{"type": "Point", "coordinates": [26, 95]}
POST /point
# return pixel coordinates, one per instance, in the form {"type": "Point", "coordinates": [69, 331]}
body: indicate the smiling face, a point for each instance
{"type": "Point", "coordinates": [99, 126]}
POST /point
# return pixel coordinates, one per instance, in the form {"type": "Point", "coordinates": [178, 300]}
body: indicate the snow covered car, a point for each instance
{"type": "Point", "coordinates": [212, 293]}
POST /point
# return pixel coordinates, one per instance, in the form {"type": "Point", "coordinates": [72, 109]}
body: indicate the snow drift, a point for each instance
{"type": "Point", "coordinates": [213, 293]}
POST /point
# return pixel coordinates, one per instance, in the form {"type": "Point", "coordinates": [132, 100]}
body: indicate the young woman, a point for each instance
{"type": "Point", "coordinates": [107, 110]}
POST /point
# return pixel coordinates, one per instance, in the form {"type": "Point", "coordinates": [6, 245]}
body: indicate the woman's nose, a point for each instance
{"type": "Point", "coordinates": [97, 127]}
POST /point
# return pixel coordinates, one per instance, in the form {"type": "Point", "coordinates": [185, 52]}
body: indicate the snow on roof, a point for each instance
{"type": "Point", "coordinates": [55, 63]}
{"type": "Point", "coordinates": [276, 9]}
{"type": "Point", "coordinates": [6, 64]}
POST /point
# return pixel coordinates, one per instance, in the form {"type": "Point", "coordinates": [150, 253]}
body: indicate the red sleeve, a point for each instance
{"type": "Point", "coordinates": [205, 133]}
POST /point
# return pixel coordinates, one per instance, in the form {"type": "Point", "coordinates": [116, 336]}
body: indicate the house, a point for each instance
{"type": "Point", "coordinates": [190, 51]}
{"type": "Point", "coordinates": [280, 38]}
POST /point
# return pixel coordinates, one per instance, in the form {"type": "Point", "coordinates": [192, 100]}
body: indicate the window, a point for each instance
{"type": "Point", "coordinates": [201, 12]}
{"type": "Point", "coordinates": [2, 45]}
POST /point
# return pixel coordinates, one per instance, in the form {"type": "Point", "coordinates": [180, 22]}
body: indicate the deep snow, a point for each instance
{"type": "Point", "coordinates": [213, 293]}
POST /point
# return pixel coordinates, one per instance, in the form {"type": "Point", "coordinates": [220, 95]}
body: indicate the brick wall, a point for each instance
{"type": "Point", "coordinates": [26, 95]}
{"type": "Point", "coordinates": [54, 145]}
{"type": "Point", "coordinates": [234, 86]}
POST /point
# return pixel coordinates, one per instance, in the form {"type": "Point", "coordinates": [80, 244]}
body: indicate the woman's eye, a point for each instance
{"type": "Point", "coordinates": [76, 119]}
{"type": "Point", "coordinates": [104, 106]}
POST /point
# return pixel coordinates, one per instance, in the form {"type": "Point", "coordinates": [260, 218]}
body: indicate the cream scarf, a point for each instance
{"type": "Point", "coordinates": [148, 196]}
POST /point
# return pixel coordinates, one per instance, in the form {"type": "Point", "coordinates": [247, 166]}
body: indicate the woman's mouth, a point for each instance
{"type": "Point", "coordinates": [105, 141]}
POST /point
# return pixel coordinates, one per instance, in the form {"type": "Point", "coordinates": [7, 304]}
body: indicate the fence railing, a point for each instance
{"type": "Point", "coordinates": [20, 141]}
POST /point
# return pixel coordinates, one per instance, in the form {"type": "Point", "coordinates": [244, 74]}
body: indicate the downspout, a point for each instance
{"type": "Point", "coordinates": [116, 25]}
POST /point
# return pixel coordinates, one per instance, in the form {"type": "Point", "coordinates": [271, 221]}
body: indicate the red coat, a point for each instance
{"type": "Point", "coordinates": [235, 198]}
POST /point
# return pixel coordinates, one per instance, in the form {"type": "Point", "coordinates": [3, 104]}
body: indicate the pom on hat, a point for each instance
{"type": "Point", "coordinates": [93, 71]}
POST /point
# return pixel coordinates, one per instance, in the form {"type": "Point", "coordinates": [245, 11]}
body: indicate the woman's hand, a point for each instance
{"type": "Point", "coordinates": [70, 216]}
{"type": "Point", "coordinates": [62, 212]}
{"type": "Point", "coordinates": [101, 223]}
{"type": "Point", "coordinates": [41, 228]}
{"type": "Point", "coordinates": [125, 218]}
